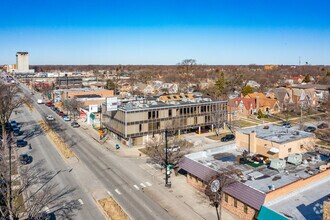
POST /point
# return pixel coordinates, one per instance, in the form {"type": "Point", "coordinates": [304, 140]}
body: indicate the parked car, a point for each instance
{"type": "Point", "coordinates": [309, 129]}
{"type": "Point", "coordinates": [17, 131]}
{"type": "Point", "coordinates": [52, 108]}
{"type": "Point", "coordinates": [60, 113]}
{"type": "Point", "coordinates": [49, 104]}
{"type": "Point", "coordinates": [25, 159]}
{"type": "Point", "coordinates": [39, 101]}
{"type": "Point", "coordinates": [228, 137]}
{"type": "Point", "coordinates": [286, 125]}
{"type": "Point", "coordinates": [66, 118]}
{"type": "Point", "coordinates": [174, 148]}
{"type": "Point", "coordinates": [50, 118]}
{"type": "Point", "coordinates": [323, 125]}
{"type": "Point", "coordinates": [75, 124]}
{"type": "Point", "coordinates": [21, 143]}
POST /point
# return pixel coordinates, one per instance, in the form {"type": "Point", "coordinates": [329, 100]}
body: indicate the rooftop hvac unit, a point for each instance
{"type": "Point", "coordinates": [278, 164]}
{"type": "Point", "coordinates": [295, 159]}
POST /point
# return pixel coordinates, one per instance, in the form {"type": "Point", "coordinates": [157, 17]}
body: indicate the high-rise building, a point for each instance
{"type": "Point", "coordinates": [22, 62]}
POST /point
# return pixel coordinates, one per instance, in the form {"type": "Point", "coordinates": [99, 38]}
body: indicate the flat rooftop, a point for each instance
{"type": "Point", "coordinates": [261, 178]}
{"type": "Point", "coordinates": [277, 134]}
{"type": "Point", "coordinates": [150, 103]}
{"type": "Point", "coordinates": [305, 203]}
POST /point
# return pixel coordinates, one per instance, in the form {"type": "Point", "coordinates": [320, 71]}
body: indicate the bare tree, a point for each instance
{"type": "Point", "coordinates": [217, 184]}
{"type": "Point", "coordinates": [73, 106]}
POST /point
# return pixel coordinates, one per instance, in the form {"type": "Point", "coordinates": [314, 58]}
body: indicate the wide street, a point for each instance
{"type": "Point", "coordinates": [98, 171]}
{"type": "Point", "coordinates": [44, 151]}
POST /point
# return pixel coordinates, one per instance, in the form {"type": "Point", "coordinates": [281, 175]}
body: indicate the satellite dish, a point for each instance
{"type": "Point", "coordinates": [215, 186]}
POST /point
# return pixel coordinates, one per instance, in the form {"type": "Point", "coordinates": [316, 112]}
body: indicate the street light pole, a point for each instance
{"type": "Point", "coordinates": [166, 160]}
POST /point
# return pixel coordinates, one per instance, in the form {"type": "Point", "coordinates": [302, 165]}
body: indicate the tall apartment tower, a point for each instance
{"type": "Point", "coordinates": [22, 62]}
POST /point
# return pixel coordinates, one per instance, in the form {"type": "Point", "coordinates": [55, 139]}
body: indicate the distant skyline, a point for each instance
{"type": "Point", "coordinates": [214, 32]}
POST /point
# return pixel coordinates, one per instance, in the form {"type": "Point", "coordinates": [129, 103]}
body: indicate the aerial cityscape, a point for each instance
{"type": "Point", "coordinates": [157, 110]}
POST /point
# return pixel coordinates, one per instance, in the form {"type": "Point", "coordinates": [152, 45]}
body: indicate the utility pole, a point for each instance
{"type": "Point", "coordinates": [168, 167]}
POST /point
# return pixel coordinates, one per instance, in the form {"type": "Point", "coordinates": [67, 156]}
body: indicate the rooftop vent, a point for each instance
{"type": "Point", "coordinates": [295, 159]}
{"type": "Point", "coordinates": [278, 164]}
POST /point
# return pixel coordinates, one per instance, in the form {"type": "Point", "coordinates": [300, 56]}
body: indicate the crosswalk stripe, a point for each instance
{"type": "Point", "coordinates": [142, 185]}
{"type": "Point", "coordinates": [149, 184]}
{"type": "Point", "coordinates": [109, 193]}
{"type": "Point", "coordinates": [136, 187]}
{"type": "Point", "coordinates": [117, 191]}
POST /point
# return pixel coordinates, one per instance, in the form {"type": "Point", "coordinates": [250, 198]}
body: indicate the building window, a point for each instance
{"type": "Point", "coordinates": [301, 146]}
{"type": "Point", "coordinates": [245, 209]}
{"type": "Point", "coordinates": [149, 115]}
{"type": "Point", "coordinates": [289, 150]}
{"type": "Point", "coordinates": [226, 198]}
{"type": "Point", "coordinates": [140, 127]}
{"type": "Point", "coordinates": [195, 120]}
{"type": "Point", "coordinates": [157, 114]}
{"type": "Point", "coordinates": [153, 114]}
{"type": "Point", "coordinates": [170, 113]}
{"type": "Point", "coordinates": [235, 203]}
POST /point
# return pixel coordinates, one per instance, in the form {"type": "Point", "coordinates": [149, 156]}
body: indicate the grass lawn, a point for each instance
{"type": "Point", "coordinates": [243, 124]}
{"type": "Point", "coordinates": [217, 138]}
{"type": "Point", "coordinates": [271, 119]}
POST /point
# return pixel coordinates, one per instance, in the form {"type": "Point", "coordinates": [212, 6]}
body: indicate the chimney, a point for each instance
{"type": "Point", "coordinates": [257, 103]}
{"type": "Point", "coordinates": [252, 142]}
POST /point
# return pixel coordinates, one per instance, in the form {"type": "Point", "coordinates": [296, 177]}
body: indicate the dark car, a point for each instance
{"type": "Point", "coordinates": [323, 125]}
{"type": "Point", "coordinates": [17, 132]}
{"type": "Point", "coordinates": [60, 113]}
{"type": "Point", "coordinates": [286, 125]}
{"type": "Point", "coordinates": [25, 159]}
{"type": "Point", "coordinates": [52, 108]}
{"type": "Point", "coordinates": [49, 104]}
{"type": "Point", "coordinates": [21, 143]}
{"type": "Point", "coordinates": [75, 124]}
{"type": "Point", "coordinates": [228, 137]}
{"type": "Point", "coordinates": [309, 129]}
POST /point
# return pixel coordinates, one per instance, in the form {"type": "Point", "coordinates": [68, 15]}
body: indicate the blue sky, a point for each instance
{"type": "Point", "coordinates": [166, 31]}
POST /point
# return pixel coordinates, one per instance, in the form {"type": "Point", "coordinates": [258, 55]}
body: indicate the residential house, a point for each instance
{"type": "Point", "coordinates": [267, 105]}
{"type": "Point", "coordinates": [295, 80]}
{"type": "Point", "coordinates": [241, 107]}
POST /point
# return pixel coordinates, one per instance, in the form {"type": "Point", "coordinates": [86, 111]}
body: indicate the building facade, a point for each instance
{"type": "Point", "coordinates": [22, 62]}
{"type": "Point", "coordinates": [137, 120]}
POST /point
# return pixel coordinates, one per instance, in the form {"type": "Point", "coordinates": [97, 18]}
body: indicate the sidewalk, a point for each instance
{"type": "Point", "coordinates": [178, 199]}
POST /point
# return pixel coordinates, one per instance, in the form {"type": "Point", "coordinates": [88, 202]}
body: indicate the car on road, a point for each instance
{"type": "Point", "coordinates": [25, 159]}
{"type": "Point", "coordinates": [75, 124]}
{"type": "Point", "coordinates": [39, 101]}
{"type": "Point", "coordinates": [286, 125]}
{"type": "Point", "coordinates": [228, 137]}
{"type": "Point", "coordinates": [49, 104]}
{"type": "Point", "coordinates": [60, 113]}
{"type": "Point", "coordinates": [21, 143]}
{"type": "Point", "coordinates": [323, 125]}
{"type": "Point", "coordinates": [66, 118]}
{"type": "Point", "coordinates": [309, 129]}
{"type": "Point", "coordinates": [50, 118]}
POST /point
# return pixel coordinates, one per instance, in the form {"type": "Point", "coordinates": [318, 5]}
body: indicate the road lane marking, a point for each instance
{"type": "Point", "coordinates": [117, 191]}
{"type": "Point", "coordinates": [142, 185]}
{"type": "Point", "coordinates": [109, 193]}
{"type": "Point", "coordinates": [81, 202]}
{"type": "Point", "coordinates": [136, 187]}
{"type": "Point", "coordinates": [149, 184]}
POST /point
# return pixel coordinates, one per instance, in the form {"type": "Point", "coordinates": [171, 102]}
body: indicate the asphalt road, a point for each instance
{"type": "Point", "coordinates": [82, 204]}
{"type": "Point", "coordinates": [113, 173]}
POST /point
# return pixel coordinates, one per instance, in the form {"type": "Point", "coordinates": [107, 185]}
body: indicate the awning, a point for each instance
{"type": "Point", "coordinates": [274, 150]}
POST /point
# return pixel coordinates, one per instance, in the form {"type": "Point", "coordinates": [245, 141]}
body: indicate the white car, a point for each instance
{"type": "Point", "coordinates": [39, 101]}
{"type": "Point", "coordinates": [66, 118]}
{"type": "Point", "coordinates": [50, 118]}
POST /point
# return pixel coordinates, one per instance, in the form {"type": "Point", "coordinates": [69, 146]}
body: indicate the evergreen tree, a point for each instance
{"type": "Point", "coordinates": [246, 90]}
{"type": "Point", "coordinates": [219, 86]}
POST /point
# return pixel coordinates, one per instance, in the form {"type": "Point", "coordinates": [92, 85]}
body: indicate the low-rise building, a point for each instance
{"type": "Point", "coordinates": [135, 121]}
{"type": "Point", "coordinates": [274, 141]}
{"type": "Point", "coordinates": [267, 105]}
{"type": "Point", "coordinates": [257, 184]}
{"type": "Point", "coordinates": [241, 107]}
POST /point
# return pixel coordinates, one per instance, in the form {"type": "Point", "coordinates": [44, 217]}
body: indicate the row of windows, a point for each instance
{"type": "Point", "coordinates": [187, 110]}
